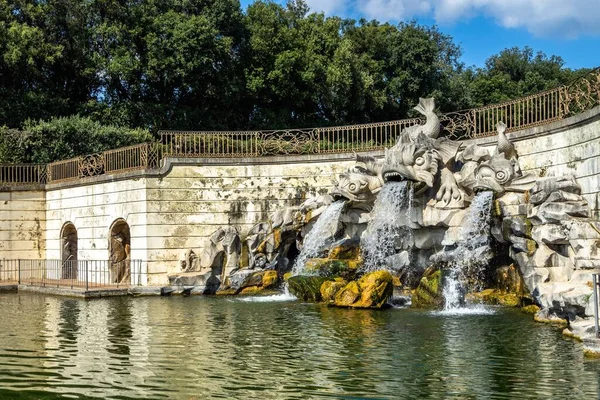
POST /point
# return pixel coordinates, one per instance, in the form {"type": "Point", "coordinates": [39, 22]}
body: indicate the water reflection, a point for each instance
{"type": "Point", "coordinates": [224, 348]}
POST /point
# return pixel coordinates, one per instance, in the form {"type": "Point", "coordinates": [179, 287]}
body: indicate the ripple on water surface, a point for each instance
{"type": "Point", "coordinates": [202, 347]}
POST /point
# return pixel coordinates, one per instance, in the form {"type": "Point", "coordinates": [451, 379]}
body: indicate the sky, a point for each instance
{"type": "Point", "coordinates": [566, 28]}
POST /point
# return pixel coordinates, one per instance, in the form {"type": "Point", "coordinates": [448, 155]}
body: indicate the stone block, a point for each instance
{"type": "Point", "coordinates": [550, 234]}
{"type": "Point", "coordinates": [443, 217]}
{"type": "Point", "coordinates": [587, 249]}
{"type": "Point", "coordinates": [561, 197]}
{"type": "Point", "coordinates": [532, 275]}
{"type": "Point", "coordinates": [452, 236]}
{"type": "Point", "coordinates": [549, 213]}
{"type": "Point", "coordinates": [544, 187]}
{"type": "Point", "coordinates": [588, 265]}
{"type": "Point", "coordinates": [428, 238]}
{"type": "Point", "coordinates": [582, 229]}
{"type": "Point", "coordinates": [523, 244]}
{"type": "Point", "coordinates": [514, 210]}
{"type": "Point", "coordinates": [512, 199]}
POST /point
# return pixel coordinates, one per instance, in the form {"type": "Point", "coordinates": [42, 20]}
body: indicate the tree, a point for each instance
{"type": "Point", "coordinates": [46, 65]}
{"type": "Point", "coordinates": [63, 138]}
{"type": "Point", "coordinates": [517, 72]}
{"type": "Point", "coordinates": [169, 64]}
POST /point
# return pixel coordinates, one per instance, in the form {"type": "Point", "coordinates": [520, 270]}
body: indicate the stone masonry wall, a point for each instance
{"type": "Point", "coordinates": [22, 224]}
{"type": "Point", "coordinates": [178, 208]}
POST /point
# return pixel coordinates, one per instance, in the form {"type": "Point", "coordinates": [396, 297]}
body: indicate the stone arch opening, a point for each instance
{"type": "Point", "coordinates": [68, 235]}
{"type": "Point", "coordinates": [119, 248]}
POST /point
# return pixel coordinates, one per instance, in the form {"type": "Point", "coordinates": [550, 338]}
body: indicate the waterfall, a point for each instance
{"type": "Point", "coordinates": [390, 221]}
{"type": "Point", "coordinates": [320, 236]}
{"type": "Point", "coordinates": [471, 256]}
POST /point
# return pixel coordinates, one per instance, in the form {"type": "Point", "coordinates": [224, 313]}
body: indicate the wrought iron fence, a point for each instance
{"type": "Point", "coordinates": [541, 108]}
{"type": "Point", "coordinates": [82, 274]}
{"type": "Point", "coordinates": [29, 174]}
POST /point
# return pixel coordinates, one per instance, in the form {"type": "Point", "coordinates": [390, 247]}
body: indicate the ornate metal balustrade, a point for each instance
{"type": "Point", "coordinates": [29, 174]}
{"type": "Point", "coordinates": [538, 109]}
{"type": "Point", "coordinates": [139, 156]}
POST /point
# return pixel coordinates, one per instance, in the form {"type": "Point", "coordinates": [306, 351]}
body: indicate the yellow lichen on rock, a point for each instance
{"type": "Point", "coordinates": [530, 309]}
{"type": "Point", "coordinates": [370, 291]}
{"type": "Point", "coordinates": [429, 292]}
{"type": "Point", "coordinates": [330, 288]}
{"type": "Point", "coordinates": [347, 295]}
{"type": "Point", "coordinates": [269, 279]}
{"type": "Point", "coordinates": [342, 252]}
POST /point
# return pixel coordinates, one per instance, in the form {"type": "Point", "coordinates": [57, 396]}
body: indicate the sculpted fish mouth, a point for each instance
{"type": "Point", "coordinates": [487, 185]}
{"type": "Point", "coordinates": [393, 176]}
{"type": "Point", "coordinates": [341, 195]}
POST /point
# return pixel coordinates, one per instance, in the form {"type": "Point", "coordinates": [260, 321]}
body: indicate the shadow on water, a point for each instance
{"type": "Point", "coordinates": [203, 347]}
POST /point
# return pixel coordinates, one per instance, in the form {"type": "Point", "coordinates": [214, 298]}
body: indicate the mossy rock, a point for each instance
{"type": "Point", "coordinates": [227, 292]}
{"type": "Point", "coordinates": [377, 287]}
{"type": "Point", "coordinates": [429, 292]}
{"type": "Point", "coordinates": [332, 268]}
{"type": "Point", "coordinates": [287, 276]}
{"type": "Point", "coordinates": [269, 279]}
{"type": "Point", "coordinates": [330, 288]}
{"type": "Point", "coordinates": [251, 290]}
{"type": "Point", "coordinates": [370, 291]}
{"type": "Point", "coordinates": [348, 295]}
{"type": "Point", "coordinates": [495, 297]}
{"type": "Point", "coordinates": [263, 279]}
{"type": "Point", "coordinates": [530, 309]}
{"type": "Point", "coordinates": [509, 279]}
{"type": "Point", "coordinates": [345, 252]}
{"type": "Point", "coordinates": [257, 290]}
{"type": "Point", "coordinates": [307, 288]}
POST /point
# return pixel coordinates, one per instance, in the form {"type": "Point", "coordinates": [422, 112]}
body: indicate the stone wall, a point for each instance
{"type": "Point", "coordinates": [191, 201]}
{"type": "Point", "coordinates": [177, 208]}
{"type": "Point", "coordinates": [22, 224]}
{"type": "Point", "coordinates": [92, 208]}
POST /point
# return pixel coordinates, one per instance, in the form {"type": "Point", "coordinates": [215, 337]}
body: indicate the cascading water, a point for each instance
{"type": "Point", "coordinates": [390, 221]}
{"type": "Point", "coordinates": [471, 254]}
{"type": "Point", "coordinates": [319, 237]}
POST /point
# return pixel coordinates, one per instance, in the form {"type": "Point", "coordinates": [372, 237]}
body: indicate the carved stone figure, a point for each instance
{"type": "Point", "coordinates": [120, 268]}
{"type": "Point", "coordinates": [69, 255]}
{"type": "Point", "coordinates": [221, 253]}
{"type": "Point", "coordinates": [359, 185]}
{"type": "Point", "coordinates": [502, 172]}
{"type": "Point", "coordinates": [191, 262]}
{"type": "Point", "coordinates": [431, 128]}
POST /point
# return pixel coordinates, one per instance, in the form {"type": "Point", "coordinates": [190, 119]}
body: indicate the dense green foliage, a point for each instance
{"type": "Point", "coordinates": [206, 64]}
{"type": "Point", "coordinates": [63, 138]}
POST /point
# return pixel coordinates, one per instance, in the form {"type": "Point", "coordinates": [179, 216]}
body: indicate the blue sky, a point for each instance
{"type": "Point", "coordinates": [566, 28]}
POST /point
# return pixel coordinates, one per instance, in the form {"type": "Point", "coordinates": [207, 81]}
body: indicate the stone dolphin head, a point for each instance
{"type": "Point", "coordinates": [357, 185]}
{"type": "Point", "coordinates": [501, 172]}
{"type": "Point", "coordinates": [418, 160]}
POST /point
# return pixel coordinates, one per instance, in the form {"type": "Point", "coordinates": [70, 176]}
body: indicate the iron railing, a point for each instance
{"type": "Point", "coordinates": [538, 109]}
{"type": "Point", "coordinates": [82, 274]}
{"type": "Point", "coordinates": [595, 297]}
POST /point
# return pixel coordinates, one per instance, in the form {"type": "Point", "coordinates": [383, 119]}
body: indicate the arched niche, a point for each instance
{"type": "Point", "coordinates": [68, 237]}
{"type": "Point", "coordinates": [119, 247]}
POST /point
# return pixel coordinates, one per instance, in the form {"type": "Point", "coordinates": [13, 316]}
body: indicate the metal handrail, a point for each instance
{"type": "Point", "coordinates": [81, 274]}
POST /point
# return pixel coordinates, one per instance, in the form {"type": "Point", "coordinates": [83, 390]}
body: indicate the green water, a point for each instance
{"type": "Point", "coordinates": [201, 347]}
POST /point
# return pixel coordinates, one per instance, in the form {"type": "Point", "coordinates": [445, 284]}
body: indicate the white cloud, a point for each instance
{"type": "Point", "coordinates": [332, 7]}
{"type": "Point", "coordinates": [546, 18]}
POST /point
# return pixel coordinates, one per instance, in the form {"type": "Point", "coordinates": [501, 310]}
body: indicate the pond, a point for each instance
{"type": "Point", "coordinates": [206, 347]}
